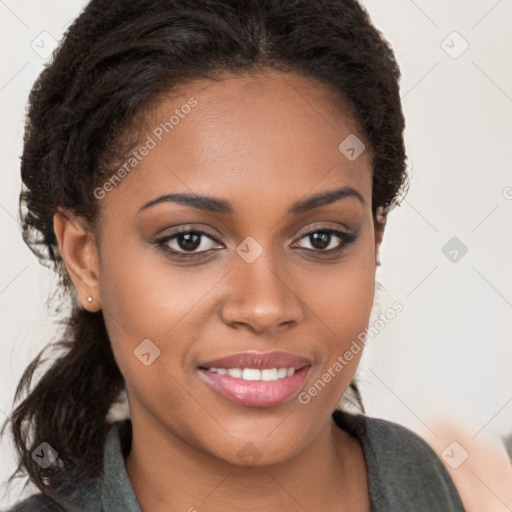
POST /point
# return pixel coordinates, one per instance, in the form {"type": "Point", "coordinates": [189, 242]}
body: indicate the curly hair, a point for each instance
{"type": "Point", "coordinates": [117, 59]}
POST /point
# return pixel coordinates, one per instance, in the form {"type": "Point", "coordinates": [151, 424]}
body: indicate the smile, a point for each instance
{"type": "Point", "coordinates": [253, 379]}
{"type": "Point", "coordinates": [266, 374]}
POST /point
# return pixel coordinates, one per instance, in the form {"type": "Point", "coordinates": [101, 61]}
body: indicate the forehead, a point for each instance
{"type": "Point", "coordinates": [265, 107]}
{"type": "Point", "coordinates": [271, 135]}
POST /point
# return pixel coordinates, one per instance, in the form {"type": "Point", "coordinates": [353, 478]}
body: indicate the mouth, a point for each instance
{"type": "Point", "coordinates": [254, 379]}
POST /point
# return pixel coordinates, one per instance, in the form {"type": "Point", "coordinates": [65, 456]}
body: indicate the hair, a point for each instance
{"type": "Point", "coordinates": [118, 58]}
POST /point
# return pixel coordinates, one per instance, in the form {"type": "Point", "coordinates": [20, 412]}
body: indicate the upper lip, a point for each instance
{"type": "Point", "coordinates": [259, 361]}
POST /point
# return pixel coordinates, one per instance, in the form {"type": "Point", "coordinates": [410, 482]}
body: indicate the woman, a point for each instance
{"type": "Point", "coordinates": [211, 180]}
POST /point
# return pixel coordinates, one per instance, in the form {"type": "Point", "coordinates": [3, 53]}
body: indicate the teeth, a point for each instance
{"type": "Point", "coordinates": [251, 374]}
{"type": "Point", "coordinates": [254, 373]}
{"type": "Point", "coordinates": [235, 372]}
{"type": "Point", "coordinates": [270, 374]}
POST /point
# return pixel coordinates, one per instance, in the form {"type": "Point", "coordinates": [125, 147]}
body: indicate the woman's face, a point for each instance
{"type": "Point", "coordinates": [267, 278]}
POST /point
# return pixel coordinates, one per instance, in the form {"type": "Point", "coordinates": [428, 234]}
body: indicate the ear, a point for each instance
{"type": "Point", "coordinates": [77, 245]}
{"type": "Point", "coordinates": [380, 224]}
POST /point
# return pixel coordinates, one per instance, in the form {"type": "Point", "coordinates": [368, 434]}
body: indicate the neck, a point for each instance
{"type": "Point", "coordinates": [170, 474]}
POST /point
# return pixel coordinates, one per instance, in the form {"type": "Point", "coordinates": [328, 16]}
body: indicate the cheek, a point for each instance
{"type": "Point", "coordinates": [144, 297]}
{"type": "Point", "coordinates": [148, 313]}
{"type": "Point", "coordinates": [342, 296]}
{"type": "Point", "coordinates": [348, 298]}
{"type": "Point", "coordinates": [342, 300]}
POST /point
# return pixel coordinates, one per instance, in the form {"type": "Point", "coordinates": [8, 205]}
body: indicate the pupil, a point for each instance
{"type": "Point", "coordinates": [191, 241]}
{"type": "Point", "coordinates": [320, 239]}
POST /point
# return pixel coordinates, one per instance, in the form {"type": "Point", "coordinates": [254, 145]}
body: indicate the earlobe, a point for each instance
{"type": "Point", "coordinates": [380, 224]}
{"type": "Point", "coordinates": [77, 245]}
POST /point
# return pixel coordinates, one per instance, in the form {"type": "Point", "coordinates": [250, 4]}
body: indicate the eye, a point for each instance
{"type": "Point", "coordinates": [187, 242]}
{"type": "Point", "coordinates": [324, 240]}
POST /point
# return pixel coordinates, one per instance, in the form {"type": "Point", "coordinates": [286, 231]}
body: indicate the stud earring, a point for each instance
{"type": "Point", "coordinates": [89, 299]}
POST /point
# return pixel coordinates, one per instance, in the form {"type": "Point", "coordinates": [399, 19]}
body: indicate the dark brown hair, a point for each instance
{"type": "Point", "coordinates": [115, 60]}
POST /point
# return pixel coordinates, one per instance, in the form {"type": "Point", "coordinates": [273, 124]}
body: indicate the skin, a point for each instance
{"type": "Point", "coordinates": [484, 478]}
{"type": "Point", "coordinates": [262, 142]}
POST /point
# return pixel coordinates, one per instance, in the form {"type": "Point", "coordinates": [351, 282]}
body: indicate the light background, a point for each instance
{"type": "Point", "coordinates": [448, 354]}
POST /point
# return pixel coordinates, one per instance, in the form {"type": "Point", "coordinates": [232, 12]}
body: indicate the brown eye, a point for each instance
{"type": "Point", "coordinates": [188, 242]}
{"type": "Point", "coordinates": [324, 240]}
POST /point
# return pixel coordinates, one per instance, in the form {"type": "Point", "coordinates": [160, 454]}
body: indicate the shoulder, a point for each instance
{"type": "Point", "coordinates": [87, 496]}
{"type": "Point", "coordinates": [409, 469]}
{"type": "Point", "coordinates": [36, 503]}
{"type": "Point", "coordinates": [508, 445]}
{"type": "Point", "coordinates": [402, 467]}
{"type": "Point", "coordinates": [396, 445]}
{"type": "Point", "coordinates": [387, 442]}
{"type": "Point", "coordinates": [478, 464]}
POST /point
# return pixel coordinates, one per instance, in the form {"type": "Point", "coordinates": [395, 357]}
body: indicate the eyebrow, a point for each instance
{"type": "Point", "coordinates": [215, 205]}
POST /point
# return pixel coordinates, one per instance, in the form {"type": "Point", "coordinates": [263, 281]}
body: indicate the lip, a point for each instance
{"type": "Point", "coordinates": [259, 361]}
{"type": "Point", "coordinates": [257, 393]}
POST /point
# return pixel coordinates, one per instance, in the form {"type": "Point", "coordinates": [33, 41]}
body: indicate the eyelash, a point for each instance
{"type": "Point", "coordinates": [346, 239]}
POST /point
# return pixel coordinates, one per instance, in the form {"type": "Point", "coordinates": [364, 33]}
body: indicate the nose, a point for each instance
{"type": "Point", "coordinates": [261, 297]}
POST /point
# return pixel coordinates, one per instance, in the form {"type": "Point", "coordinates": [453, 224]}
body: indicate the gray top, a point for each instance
{"type": "Point", "coordinates": [404, 473]}
{"type": "Point", "coordinates": [508, 445]}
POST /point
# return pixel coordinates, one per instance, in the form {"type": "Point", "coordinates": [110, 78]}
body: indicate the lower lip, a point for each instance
{"type": "Point", "coordinates": [256, 393]}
